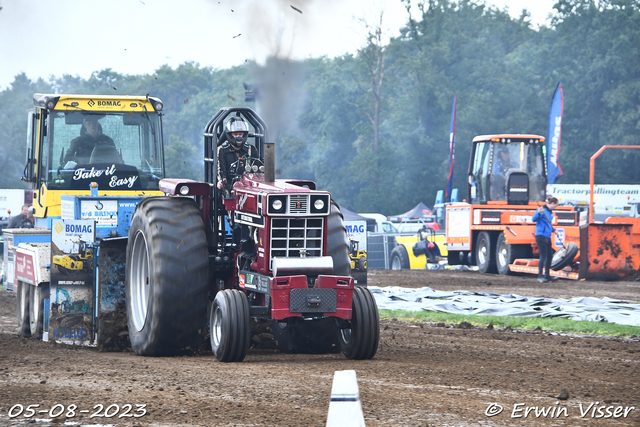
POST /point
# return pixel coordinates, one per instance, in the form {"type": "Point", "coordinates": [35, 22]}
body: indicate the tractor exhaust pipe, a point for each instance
{"type": "Point", "coordinates": [269, 162]}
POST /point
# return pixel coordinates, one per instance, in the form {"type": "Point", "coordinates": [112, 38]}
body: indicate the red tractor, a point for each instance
{"type": "Point", "coordinates": [268, 249]}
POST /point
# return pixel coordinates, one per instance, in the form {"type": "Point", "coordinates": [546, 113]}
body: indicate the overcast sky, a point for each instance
{"type": "Point", "coordinates": [77, 37]}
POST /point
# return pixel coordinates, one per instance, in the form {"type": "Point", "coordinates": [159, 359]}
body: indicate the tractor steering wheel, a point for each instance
{"type": "Point", "coordinates": [242, 166]}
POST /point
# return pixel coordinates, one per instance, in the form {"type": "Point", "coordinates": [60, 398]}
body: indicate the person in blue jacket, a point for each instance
{"type": "Point", "coordinates": [544, 220]}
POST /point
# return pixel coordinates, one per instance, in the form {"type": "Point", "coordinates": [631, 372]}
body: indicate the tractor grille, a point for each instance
{"type": "Point", "coordinates": [298, 203]}
{"type": "Point", "coordinates": [290, 235]}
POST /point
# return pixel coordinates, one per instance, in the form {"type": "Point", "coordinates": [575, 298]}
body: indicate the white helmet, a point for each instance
{"type": "Point", "coordinates": [236, 124]}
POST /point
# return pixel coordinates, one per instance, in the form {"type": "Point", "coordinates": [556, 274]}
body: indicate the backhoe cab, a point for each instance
{"type": "Point", "coordinates": [507, 168]}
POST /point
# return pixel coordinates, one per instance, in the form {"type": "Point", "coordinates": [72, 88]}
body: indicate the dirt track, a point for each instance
{"type": "Point", "coordinates": [423, 374]}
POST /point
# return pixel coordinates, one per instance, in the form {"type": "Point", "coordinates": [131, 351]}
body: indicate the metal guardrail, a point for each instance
{"type": "Point", "coordinates": [379, 247]}
{"type": "Point", "coordinates": [377, 251]}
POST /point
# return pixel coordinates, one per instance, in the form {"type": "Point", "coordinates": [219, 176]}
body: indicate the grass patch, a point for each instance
{"type": "Point", "coordinates": [545, 323]}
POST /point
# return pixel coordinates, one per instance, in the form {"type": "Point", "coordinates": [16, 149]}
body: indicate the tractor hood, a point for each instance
{"type": "Point", "coordinates": [283, 197]}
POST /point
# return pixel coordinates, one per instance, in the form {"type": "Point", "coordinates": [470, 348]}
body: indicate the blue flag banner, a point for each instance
{"type": "Point", "coordinates": [554, 171]}
{"type": "Point", "coordinates": [452, 146]}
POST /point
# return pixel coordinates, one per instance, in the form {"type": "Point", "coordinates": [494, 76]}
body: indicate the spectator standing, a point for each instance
{"type": "Point", "coordinates": [22, 220]}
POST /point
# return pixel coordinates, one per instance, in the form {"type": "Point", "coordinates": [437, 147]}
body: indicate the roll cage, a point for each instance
{"type": "Point", "coordinates": [214, 136]}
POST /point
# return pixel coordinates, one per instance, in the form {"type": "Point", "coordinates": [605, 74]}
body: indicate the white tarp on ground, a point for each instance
{"type": "Point", "coordinates": [487, 303]}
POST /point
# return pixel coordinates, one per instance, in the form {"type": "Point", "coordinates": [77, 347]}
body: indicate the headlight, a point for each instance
{"type": "Point", "coordinates": [184, 190]}
{"type": "Point", "coordinates": [254, 168]}
{"type": "Point", "coordinates": [247, 168]}
{"type": "Point", "coordinates": [261, 168]}
{"type": "Point", "coordinates": [319, 204]}
{"type": "Point", "coordinates": [277, 204]}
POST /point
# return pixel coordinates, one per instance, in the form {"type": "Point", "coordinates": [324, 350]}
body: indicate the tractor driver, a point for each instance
{"type": "Point", "coordinates": [501, 166]}
{"type": "Point", "coordinates": [504, 163]}
{"type": "Point", "coordinates": [233, 149]}
{"type": "Point", "coordinates": [90, 137]}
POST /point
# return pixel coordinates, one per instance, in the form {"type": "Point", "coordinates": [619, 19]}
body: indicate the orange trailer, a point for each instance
{"type": "Point", "coordinates": [613, 246]}
{"type": "Point", "coordinates": [610, 248]}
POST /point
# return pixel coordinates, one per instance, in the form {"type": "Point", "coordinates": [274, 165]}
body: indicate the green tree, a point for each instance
{"type": "Point", "coordinates": [461, 48]}
{"type": "Point", "coordinates": [15, 102]}
{"type": "Point", "coordinates": [598, 56]}
{"type": "Point", "coordinates": [327, 124]}
{"type": "Point", "coordinates": [373, 128]}
{"type": "Point", "coordinates": [181, 160]}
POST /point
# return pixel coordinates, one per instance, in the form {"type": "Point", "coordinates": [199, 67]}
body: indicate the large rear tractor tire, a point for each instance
{"type": "Point", "coordinates": [338, 242]}
{"type": "Point", "coordinates": [400, 258]}
{"type": "Point", "coordinates": [306, 336]}
{"type": "Point", "coordinates": [485, 255]}
{"type": "Point", "coordinates": [360, 340]}
{"type": "Point", "coordinates": [506, 254]}
{"type": "Point", "coordinates": [36, 309]}
{"type": "Point", "coordinates": [166, 277]}
{"type": "Point", "coordinates": [22, 308]}
{"type": "Point", "coordinates": [230, 326]}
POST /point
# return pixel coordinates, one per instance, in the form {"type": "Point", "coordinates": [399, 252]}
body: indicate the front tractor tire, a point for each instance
{"type": "Point", "coordinates": [166, 277]}
{"type": "Point", "coordinates": [230, 326]}
{"type": "Point", "coordinates": [360, 340]}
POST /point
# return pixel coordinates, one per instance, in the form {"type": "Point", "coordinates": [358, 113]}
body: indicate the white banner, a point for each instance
{"type": "Point", "coordinates": [103, 212]}
{"type": "Point", "coordinates": [66, 231]}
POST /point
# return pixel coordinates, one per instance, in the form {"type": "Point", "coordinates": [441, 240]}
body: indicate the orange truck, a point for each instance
{"type": "Point", "coordinates": [492, 227]}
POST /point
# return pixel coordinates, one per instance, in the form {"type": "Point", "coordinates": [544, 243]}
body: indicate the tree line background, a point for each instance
{"type": "Point", "coordinates": [373, 127]}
